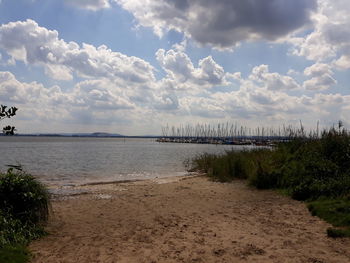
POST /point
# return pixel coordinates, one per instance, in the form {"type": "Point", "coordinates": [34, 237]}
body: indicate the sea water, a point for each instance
{"type": "Point", "coordinates": [64, 161]}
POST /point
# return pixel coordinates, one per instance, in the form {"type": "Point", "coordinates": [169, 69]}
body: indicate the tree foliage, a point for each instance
{"type": "Point", "coordinates": [6, 112]}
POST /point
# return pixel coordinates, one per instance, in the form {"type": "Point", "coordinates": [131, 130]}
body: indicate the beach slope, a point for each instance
{"type": "Point", "coordinates": [189, 219]}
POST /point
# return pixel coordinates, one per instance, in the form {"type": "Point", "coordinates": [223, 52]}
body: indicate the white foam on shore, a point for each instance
{"type": "Point", "coordinates": [94, 187]}
{"type": "Point", "coordinates": [103, 196]}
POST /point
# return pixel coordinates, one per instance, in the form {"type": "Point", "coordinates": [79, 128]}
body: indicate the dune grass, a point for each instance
{"type": "Point", "coordinates": [24, 208]}
{"type": "Point", "coordinates": [314, 169]}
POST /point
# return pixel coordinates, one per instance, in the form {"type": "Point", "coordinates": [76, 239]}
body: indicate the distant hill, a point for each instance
{"type": "Point", "coordinates": [94, 134]}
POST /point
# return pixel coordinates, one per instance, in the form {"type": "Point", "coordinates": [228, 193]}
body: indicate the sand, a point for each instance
{"type": "Point", "coordinates": [187, 219]}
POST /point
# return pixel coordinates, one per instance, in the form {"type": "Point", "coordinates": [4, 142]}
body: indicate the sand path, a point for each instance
{"type": "Point", "coordinates": [186, 220]}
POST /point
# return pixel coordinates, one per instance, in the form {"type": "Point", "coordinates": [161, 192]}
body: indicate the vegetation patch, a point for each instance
{"type": "Point", "coordinates": [310, 168]}
{"type": "Point", "coordinates": [24, 209]}
{"type": "Point", "coordinates": [14, 254]}
{"type": "Point", "coordinates": [334, 211]}
{"type": "Point", "coordinates": [338, 232]}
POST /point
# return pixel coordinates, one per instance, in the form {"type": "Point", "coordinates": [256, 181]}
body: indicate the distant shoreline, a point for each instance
{"type": "Point", "coordinates": [89, 135]}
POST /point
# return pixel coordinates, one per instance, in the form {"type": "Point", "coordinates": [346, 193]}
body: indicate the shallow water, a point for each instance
{"type": "Point", "coordinates": [64, 161]}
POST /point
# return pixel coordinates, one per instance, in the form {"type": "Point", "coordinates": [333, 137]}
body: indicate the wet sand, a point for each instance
{"type": "Point", "coordinates": [188, 219]}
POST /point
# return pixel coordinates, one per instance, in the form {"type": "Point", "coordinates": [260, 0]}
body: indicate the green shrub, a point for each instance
{"type": "Point", "coordinates": [13, 231]}
{"type": "Point", "coordinates": [264, 177]}
{"type": "Point", "coordinates": [24, 207]}
{"type": "Point", "coordinates": [14, 254]}
{"type": "Point", "coordinates": [336, 146]}
{"type": "Point", "coordinates": [23, 197]}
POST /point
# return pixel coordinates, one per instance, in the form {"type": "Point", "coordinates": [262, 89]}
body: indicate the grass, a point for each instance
{"type": "Point", "coordinates": [336, 232]}
{"type": "Point", "coordinates": [24, 209]}
{"type": "Point", "coordinates": [313, 169]}
{"type": "Point", "coordinates": [334, 211]}
{"type": "Point", "coordinates": [14, 254]}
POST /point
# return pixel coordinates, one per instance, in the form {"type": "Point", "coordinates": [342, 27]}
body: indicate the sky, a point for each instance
{"type": "Point", "coordinates": [133, 67]}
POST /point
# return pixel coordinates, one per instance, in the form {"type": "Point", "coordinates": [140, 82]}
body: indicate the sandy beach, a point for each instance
{"type": "Point", "coordinates": [184, 219]}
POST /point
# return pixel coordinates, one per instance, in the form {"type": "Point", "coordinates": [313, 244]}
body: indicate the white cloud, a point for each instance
{"type": "Point", "coordinates": [272, 81]}
{"type": "Point", "coordinates": [181, 70]}
{"type": "Point", "coordinates": [88, 102]}
{"type": "Point", "coordinates": [343, 63]}
{"type": "Point", "coordinates": [93, 5]}
{"type": "Point", "coordinates": [167, 101]}
{"type": "Point", "coordinates": [330, 38]}
{"type": "Point", "coordinates": [13, 91]}
{"type": "Point", "coordinates": [28, 42]}
{"type": "Point", "coordinates": [94, 103]}
{"type": "Point", "coordinates": [100, 95]}
{"type": "Point", "coordinates": [293, 72]}
{"type": "Point", "coordinates": [202, 107]}
{"type": "Point", "coordinates": [116, 89]}
{"type": "Point", "coordinates": [321, 77]}
{"type": "Point", "coordinates": [58, 72]}
{"type": "Point", "coordinates": [222, 24]}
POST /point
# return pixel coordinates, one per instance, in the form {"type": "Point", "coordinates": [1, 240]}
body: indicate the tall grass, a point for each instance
{"type": "Point", "coordinates": [233, 164]}
{"type": "Point", "coordinates": [24, 208]}
{"type": "Point", "coordinates": [307, 168]}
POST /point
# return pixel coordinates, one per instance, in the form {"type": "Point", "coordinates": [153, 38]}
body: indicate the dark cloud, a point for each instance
{"type": "Point", "coordinates": [224, 23]}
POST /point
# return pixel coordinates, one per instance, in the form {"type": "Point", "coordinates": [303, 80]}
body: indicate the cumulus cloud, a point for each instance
{"type": "Point", "coordinates": [94, 100]}
{"type": "Point", "coordinates": [100, 95]}
{"type": "Point", "coordinates": [103, 102]}
{"type": "Point", "coordinates": [321, 77]}
{"type": "Point", "coordinates": [254, 105]}
{"type": "Point", "coordinates": [272, 81]}
{"type": "Point", "coordinates": [115, 88]}
{"type": "Point", "coordinates": [28, 42]}
{"type": "Point", "coordinates": [180, 68]}
{"type": "Point", "coordinates": [93, 5]}
{"type": "Point", "coordinates": [13, 91]}
{"type": "Point", "coordinates": [330, 38]}
{"type": "Point", "coordinates": [202, 107]}
{"type": "Point", "coordinates": [343, 63]}
{"type": "Point", "coordinates": [37, 103]}
{"type": "Point", "coordinates": [222, 24]}
{"type": "Point", "coordinates": [167, 101]}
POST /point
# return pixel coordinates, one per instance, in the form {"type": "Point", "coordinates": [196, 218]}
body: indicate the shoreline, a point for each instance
{"type": "Point", "coordinates": [58, 191]}
{"type": "Point", "coordinates": [190, 219]}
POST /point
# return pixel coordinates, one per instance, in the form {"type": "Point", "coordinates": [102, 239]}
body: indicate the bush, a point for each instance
{"type": "Point", "coordinates": [23, 197]}
{"type": "Point", "coordinates": [264, 178]}
{"type": "Point", "coordinates": [24, 207]}
{"type": "Point", "coordinates": [13, 231]}
{"type": "Point", "coordinates": [14, 254]}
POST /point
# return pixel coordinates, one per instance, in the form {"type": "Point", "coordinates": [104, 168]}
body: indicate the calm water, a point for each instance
{"type": "Point", "coordinates": [71, 161]}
